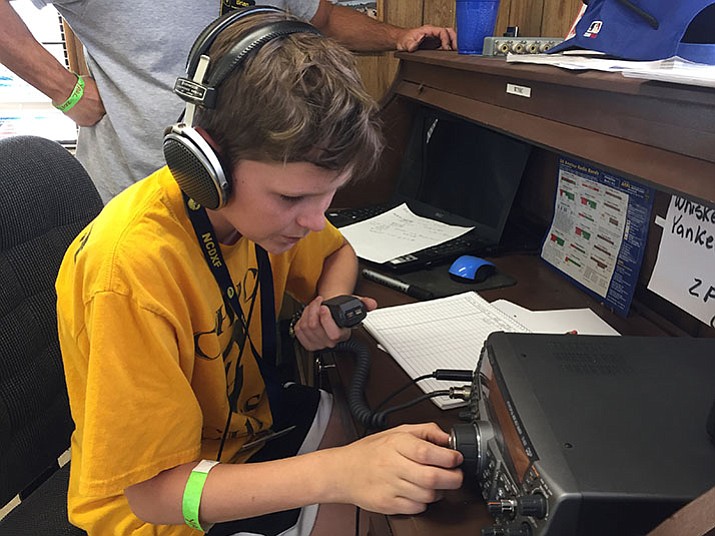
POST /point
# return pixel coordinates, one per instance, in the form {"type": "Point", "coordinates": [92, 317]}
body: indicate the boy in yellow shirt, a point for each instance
{"type": "Point", "coordinates": [167, 304]}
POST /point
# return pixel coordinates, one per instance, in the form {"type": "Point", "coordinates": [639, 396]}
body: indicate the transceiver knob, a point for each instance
{"type": "Point", "coordinates": [532, 506]}
{"type": "Point", "coordinates": [512, 529]}
{"type": "Point", "coordinates": [464, 438]}
{"type": "Point", "coordinates": [471, 440]}
{"type": "Point", "coordinates": [502, 507]}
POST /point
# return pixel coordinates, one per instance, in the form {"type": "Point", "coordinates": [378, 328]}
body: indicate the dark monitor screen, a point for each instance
{"type": "Point", "coordinates": [462, 168]}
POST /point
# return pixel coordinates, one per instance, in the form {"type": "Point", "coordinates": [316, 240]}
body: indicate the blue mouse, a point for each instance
{"type": "Point", "coordinates": [470, 269]}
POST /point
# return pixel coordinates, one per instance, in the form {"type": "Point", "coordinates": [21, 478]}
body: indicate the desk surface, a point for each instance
{"type": "Point", "coordinates": [657, 132]}
{"type": "Point", "coordinates": [538, 287]}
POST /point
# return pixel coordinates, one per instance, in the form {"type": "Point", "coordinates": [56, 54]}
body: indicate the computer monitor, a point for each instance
{"type": "Point", "coordinates": [464, 170]}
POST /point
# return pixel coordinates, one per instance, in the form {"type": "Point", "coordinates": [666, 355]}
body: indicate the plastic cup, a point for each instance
{"type": "Point", "coordinates": [475, 21]}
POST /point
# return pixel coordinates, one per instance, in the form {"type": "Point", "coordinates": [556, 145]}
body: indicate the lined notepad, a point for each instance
{"type": "Point", "coordinates": [446, 333]}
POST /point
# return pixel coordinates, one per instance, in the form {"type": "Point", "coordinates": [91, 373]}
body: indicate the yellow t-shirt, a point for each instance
{"type": "Point", "coordinates": [151, 352]}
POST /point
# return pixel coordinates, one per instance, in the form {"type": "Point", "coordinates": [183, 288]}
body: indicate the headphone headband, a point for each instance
{"type": "Point", "coordinates": [252, 42]}
{"type": "Point", "coordinates": [193, 87]}
{"type": "Point", "coordinates": [209, 34]}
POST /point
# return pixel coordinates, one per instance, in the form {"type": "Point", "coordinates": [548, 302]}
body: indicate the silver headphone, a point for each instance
{"type": "Point", "coordinates": [196, 166]}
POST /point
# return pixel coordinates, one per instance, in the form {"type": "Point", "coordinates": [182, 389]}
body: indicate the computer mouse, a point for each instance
{"type": "Point", "coordinates": [471, 269]}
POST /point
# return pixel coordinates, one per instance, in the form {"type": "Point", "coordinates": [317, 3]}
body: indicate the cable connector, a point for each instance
{"type": "Point", "coordinates": [463, 392]}
{"type": "Point", "coordinates": [453, 375]}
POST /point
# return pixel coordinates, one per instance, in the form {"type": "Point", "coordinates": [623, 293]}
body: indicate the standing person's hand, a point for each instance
{"type": "Point", "coordinates": [89, 109]}
{"type": "Point", "coordinates": [429, 37]}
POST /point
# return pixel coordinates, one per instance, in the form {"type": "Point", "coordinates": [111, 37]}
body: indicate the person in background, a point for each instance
{"type": "Point", "coordinates": [166, 313]}
{"type": "Point", "coordinates": [134, 51]}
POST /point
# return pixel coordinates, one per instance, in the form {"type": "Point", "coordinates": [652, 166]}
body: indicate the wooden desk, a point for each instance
{"type": "Point", "coordinates": [660, 134]}
{"type": "Point", "coordinates": [460, 512]}
{"type": "Point", "coordinates": [657, 133]}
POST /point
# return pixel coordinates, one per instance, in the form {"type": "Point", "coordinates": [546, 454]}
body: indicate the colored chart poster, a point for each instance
{"type": "Point", "coordinates": [599, 231]}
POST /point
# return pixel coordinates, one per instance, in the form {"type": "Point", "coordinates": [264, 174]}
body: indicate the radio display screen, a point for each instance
{"type": "Point", "coordinates": [511, 440]}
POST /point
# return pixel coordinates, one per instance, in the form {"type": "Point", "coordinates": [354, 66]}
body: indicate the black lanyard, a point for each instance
{"type": "Point", "coordinates": [214, 259]}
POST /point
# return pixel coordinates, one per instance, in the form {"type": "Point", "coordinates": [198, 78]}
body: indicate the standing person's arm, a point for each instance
{"type": "Point", "coordinates": [22, 54]}
{"type": "Point", "coordinates": [361, 33]}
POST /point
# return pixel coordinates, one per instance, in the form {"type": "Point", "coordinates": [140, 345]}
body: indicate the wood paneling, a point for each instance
{"type": "Point", "coordinates": [558, 17]}
{"type": "Point", "coordinates": [439, 13]}
{"type": "Point", "coordinates": [526, 14]}
{"type": "Point", "coordinates": [548, 18]}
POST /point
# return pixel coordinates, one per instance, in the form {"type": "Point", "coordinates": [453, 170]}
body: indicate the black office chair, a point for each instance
{"type": "Point", "coordinates": [46, 198]}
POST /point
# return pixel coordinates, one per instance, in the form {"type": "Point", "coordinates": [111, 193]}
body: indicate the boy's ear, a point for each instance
{"type": "Point", "coordinates": [194, 160]}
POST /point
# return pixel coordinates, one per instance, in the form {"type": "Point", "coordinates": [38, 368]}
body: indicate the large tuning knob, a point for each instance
{"type": "Point", "coordinates": [471, 440]}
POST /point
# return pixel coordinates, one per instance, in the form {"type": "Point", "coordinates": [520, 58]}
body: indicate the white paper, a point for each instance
{"type": "Point", "coordinates": [694, 74]}
{"type": "Point", "coordinates": [674, 69]}
{"type": "Point", "coordinates": [446, 333]}
{"type": "Point", "coordinates": [684, 271]}
{"type": "Point", "coordinates": [589, 60]}
{"type": "Point", "coordinates": [558, 321]}
{"type": "Point", "coordinates": [397, 232]}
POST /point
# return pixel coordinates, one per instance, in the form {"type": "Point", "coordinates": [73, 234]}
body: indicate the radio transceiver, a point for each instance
{"type": "Point", "coordinates": [588, 435]}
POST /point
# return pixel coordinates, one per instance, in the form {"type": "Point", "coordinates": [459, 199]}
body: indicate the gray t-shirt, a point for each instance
{"type": "Point", "coordinates": [135, 51]}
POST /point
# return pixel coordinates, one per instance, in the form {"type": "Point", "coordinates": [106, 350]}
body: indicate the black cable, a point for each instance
{"type": "Point", "coordinates": [356, 391]}
{"type": "Point", "coordinates": [439, 374]}
{"type": "Point", "coordinates": [401, 389]}
{"type": "Point", "coordinates": [381, 415]}
{"type": "Point", "coordinates": [642, 13]}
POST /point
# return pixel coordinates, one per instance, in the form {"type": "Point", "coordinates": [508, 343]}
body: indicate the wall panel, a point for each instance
{"type": "Point", "coordinates": [549, 18]}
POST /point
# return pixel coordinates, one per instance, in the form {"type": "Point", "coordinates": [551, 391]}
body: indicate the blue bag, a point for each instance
{"type": "Point", "coordinates": [647, 29]}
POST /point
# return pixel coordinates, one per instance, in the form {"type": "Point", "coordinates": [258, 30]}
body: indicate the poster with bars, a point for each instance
{"type": "Point", "coordinates": [598, 234]}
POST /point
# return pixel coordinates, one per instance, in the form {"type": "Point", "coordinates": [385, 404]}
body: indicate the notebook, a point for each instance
{"type": "Point", "coordinates": [446, 333]}
{"type": "Point", "coordinates": [455, 172]}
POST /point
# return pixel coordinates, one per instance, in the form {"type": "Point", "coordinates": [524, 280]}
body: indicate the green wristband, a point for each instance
{"type": "Point", "coordinates": [74, 97]}
{"type": "Point", "coordinates": [192, 493]}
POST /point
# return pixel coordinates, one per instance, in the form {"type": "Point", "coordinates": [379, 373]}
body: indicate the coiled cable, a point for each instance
{"type": "Point", "coordinates": [356, 391]}
{"type": "Point", "coordinates": [357, 404]}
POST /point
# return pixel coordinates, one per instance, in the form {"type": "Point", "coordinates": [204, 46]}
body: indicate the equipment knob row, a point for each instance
{"type": "Point", "coordinates": [513, 529]}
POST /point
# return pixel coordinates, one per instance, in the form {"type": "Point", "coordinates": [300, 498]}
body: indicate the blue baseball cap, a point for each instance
{"type": "Point", "coordinates": [646, 29]}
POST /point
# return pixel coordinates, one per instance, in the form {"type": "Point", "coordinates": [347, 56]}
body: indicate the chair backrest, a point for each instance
{"type": "Point", "coordinates": [46, 199]}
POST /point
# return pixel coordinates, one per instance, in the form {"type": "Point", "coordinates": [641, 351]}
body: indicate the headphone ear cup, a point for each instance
{"type": "Point", "coordinates": [196, 167]}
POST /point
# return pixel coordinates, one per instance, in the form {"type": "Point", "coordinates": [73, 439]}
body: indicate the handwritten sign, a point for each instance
{"type": "Point", "coordinates": [684, 272]}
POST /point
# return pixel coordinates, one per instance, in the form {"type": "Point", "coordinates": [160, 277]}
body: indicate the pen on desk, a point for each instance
{"type": "Point", "coordinates": [391, 282]}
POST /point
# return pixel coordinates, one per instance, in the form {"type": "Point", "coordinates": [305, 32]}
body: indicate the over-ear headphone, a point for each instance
{"type": "Point", "coordinates": [195, 165]}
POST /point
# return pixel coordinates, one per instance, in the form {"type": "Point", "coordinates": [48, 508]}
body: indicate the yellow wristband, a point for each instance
{"type": "Point", "coordinates": [192, 493]}
{"type": "Point", "coordinates": [74, 97]}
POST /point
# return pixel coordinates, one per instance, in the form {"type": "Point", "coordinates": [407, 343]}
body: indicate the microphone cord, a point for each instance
{"type": "Point", "coordinates": [376, 419]}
